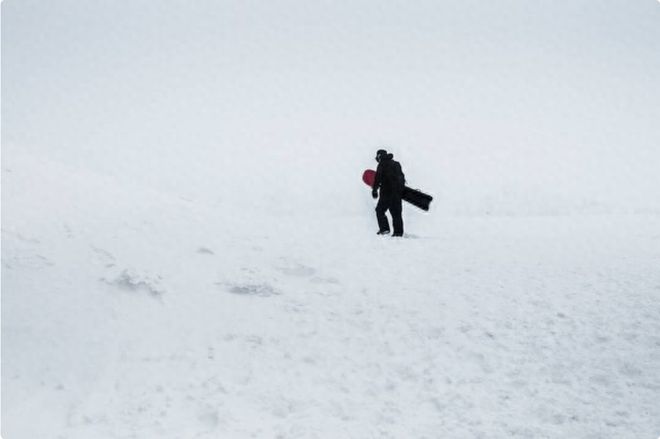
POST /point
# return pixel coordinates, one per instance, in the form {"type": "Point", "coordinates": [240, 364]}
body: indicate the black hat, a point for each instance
{"type": "Point", "coordinates": [380, 153]}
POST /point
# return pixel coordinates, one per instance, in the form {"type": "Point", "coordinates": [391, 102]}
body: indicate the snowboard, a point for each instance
{"type": "Point", "coordinates": [413, 196]}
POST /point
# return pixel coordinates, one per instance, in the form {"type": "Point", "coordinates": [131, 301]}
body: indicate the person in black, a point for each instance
{"type": "Point", "coordinates": [391, 181]}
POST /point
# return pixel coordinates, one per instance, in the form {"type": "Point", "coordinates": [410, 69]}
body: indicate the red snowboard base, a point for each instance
{"type": "Point", "coordinates": [413, 196]}
{"type": "Point", "coordinates": [368, 177]}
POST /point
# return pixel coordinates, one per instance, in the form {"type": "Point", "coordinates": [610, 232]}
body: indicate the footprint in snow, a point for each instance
{"type": "Point", "coordinates": [137, 281]}
{"type": "Point", "coordinates": [259, 290]}
{"type": "Point", "coordinates": [103, 257]}
{"type": "Point", "coordinates": [298, 270]}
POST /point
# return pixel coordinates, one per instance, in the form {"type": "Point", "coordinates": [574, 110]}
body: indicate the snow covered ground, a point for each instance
{"type": "Point", "coordinates": [131, 313]}
{"type": "Point", "coordinates": [188, 250]}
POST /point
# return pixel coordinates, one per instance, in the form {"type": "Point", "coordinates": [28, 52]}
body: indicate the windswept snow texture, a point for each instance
{"type": "Point", "coordinates": [188, 250]}
{"type": "Point", "coordinates": [116, 325]}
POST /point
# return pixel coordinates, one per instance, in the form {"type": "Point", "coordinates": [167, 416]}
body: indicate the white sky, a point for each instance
{"type": "Point", "coordinates": [517, 82]}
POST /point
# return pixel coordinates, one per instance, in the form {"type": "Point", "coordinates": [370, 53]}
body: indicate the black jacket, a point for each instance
{"type": "Point", "coordinates": [389, 176]}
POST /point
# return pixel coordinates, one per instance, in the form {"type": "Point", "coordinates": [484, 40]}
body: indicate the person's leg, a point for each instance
{"type": "Point", "coordinates": [397, 220]}
{"type": "Point", "coordinates": [381, 208]}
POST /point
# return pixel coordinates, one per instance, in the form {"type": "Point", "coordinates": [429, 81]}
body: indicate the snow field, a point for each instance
{"type": "Point", "coordinates": [150, 315]}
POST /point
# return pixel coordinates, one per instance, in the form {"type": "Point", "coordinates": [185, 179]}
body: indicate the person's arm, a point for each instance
{"type": "Point", "coordinates": [378, 179]}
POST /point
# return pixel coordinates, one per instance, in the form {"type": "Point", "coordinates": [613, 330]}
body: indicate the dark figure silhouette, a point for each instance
{"type": "Point", "coordinates": [391, 182]}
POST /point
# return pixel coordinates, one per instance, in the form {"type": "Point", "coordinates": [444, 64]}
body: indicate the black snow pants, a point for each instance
{"type": "Point", "coordinates": [390, 201]}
